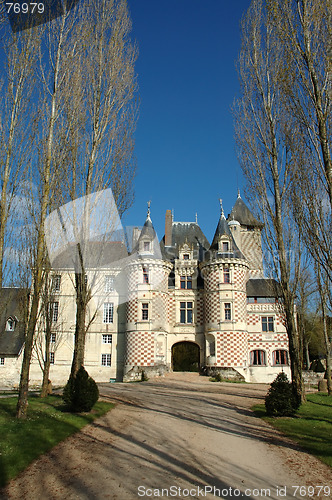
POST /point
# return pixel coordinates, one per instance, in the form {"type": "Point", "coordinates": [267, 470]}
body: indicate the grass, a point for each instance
{"type": "Point", "coordinates": [48, 423]}
{"type": "Point", "coordinates": [311, 428]}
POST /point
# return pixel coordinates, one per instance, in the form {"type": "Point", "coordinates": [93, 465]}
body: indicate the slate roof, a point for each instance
{"type": "Point", "coordinates": [243, 215]}
{"type": "Point", "coordinates": [11, 305]}
{"type": "Point", "coordinates": [147, 233]}
{"type": "Point", "coordinates": [223, 229]}
{"type": "Point", "coordinates": [185, 232]}
{"type": "Point", "coordinates": [95, 254]}
{"type": "Point", "coordinates": [261, 287]}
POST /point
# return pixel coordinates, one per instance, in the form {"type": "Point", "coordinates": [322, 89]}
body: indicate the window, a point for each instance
{"type": "Point", "coordinates": [186, 256]}
{"type": "Point", "coordinates": [107, 339]}
{"type": "Point", "coordinates": [52, 358]}
{"type": "Point", "coordinates": [146, 246]}
{"type": "Point", "coordinates": [2, 361]}
{"type": "Point", "coordinates": [108, 312]}
{"type": "Point", "coordinates": [105, 360]}
{"type": "Point", "coordinates": [257, 358]}
{"type": "Point", "coordinates": [267, 324]}
{"type": "Point", "coordinates": [280, 357]}
{"type": "Point", "coordinates": [109, 284]}
{"type": "Point", "coordinates": [54, 311]}
{"type": "Point", "coordinates": [186, 282]}
{"type": "Point", "coordinates": [186, 312]}
{"type": "Point", "coordinates": [56, 283]}
{"type": "Point", "coordinates": [53, 338]}
{"type": "Point", "coordinates": [228, 314]}
{"type": "Point", "coordinates": [226, 275]}
{"type": "Point", "coordinates": [145, 311]}
{"type": "Point", "coordinates": [225, 246]}
{"type": "Point", "coordinates": [10, 325]}
{"type": "Point", "coordinates": [145, 275]}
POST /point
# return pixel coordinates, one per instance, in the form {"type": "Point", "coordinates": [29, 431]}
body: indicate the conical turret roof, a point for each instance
{"type": "Point", "coordinates": [223, 230]}
{"type": "Point", "coordinates": [243, 215]}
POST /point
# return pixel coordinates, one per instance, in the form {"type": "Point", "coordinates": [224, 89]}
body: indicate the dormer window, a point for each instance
{"type": "Point", "coordinates": [10, 325]}
{"type": "Point", "coordinates": [146, 246]}
{"type": "Point", "coordinates": [186, 256]}
{"type": "Point", "coordinates": [224, 245]}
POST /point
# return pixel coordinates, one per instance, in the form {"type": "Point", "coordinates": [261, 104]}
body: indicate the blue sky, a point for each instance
{"type": "Point", "coordinates": [187, 80]}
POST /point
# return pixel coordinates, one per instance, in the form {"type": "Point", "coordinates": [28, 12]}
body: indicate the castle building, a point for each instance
{"type": "Point", "coordinates": [183, 304]}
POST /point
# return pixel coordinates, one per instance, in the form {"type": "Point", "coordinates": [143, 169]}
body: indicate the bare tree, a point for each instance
{"type": "Point", "coordinates": [263, 134]}
{"type": "Point", "coordinates": [57, 56]}
{"type": "Point", "coordinates": [18, 85]}
{"type": "Point", "coordinates": [101, 120]}
{"type": "Point", "coordinates": [323, 284]}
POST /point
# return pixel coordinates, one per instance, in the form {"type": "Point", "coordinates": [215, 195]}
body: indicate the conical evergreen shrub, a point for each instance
{"type": "Point", "coordinates": [280, 400]}
{"type": "Point", "coordinates": [81, 392]}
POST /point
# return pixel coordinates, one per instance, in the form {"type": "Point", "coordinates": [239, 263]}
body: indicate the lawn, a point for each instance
{"type": "Point", "coordinates": [22, 441]}
{"type": "Point", "coordinates": [311, 428]}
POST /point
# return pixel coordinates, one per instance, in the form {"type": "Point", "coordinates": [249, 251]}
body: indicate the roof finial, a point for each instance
{"type": "Point", "coordinates": [148, 214]}
{"type": "Point", "coordinates": [238, 193]}
{"type": "Point", "coordinates": [221, 209]}
{"type": "Point", "coordinates": [196, 217]}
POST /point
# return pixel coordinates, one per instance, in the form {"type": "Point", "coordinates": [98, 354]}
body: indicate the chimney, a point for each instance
{"type": "Point", "coordinates": [168, 228]}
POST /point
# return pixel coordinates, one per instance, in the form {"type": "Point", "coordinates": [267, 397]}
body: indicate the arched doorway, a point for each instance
{"type": "Point", "coordinates": [185, 357]}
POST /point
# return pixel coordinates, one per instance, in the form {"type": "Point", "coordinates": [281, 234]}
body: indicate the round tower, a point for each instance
{"type": "Point", "coordinates": [225, 272]}
{"type": "Point", "coordinates": [146, 321]}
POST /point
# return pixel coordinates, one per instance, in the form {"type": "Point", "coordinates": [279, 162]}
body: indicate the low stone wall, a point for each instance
{"type": "Point", "coordinates": [138, 373]}
{"type": "Point", "coordinates": [225, 373]}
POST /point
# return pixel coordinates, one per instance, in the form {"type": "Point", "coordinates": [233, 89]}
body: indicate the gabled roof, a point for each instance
{"type": "Point", "coordinates": [95, 254]}
{"type": "Point", "coordinates": [263, 287]}
{"type": "Point", "coordinates": [11, 306]}
{"type": "Point", "coordinates": [185, 232]}
{"type": "Point", "coordinates": [243, 215]}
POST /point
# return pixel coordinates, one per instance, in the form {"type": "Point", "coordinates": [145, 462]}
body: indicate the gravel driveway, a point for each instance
{"type": "Point", "coordinates": [181, 434]}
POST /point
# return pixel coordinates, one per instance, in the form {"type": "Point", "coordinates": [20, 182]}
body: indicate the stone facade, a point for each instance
{"type": "Point", "coordinates": [183, 290]}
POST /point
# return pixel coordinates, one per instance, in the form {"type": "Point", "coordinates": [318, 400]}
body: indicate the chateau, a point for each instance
{"type": "Point", "coordinates": [180, 304]}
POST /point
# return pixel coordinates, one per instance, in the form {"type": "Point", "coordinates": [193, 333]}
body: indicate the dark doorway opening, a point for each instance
{"type": "Point", "coordinates": [185, 357]}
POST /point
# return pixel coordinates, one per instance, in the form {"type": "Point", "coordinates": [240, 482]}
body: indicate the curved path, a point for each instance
{"type": "Point", "coordinates": [181, 433]}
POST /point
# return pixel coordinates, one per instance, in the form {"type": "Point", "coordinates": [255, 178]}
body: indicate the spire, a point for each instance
{"type": "Point", "coordinates": [148, 213]}
{"type": "Point", "coordinates": [222, 215]}
{"type": "Point", "coordinates": [196, 217]}
{"type": "Point", "coordinates": [238, 193]}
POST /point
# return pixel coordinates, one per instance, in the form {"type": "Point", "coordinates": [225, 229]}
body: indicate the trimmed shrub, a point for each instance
{"type": "Point", "coordinates": [280, 400]}
{"type": "Point", "coordinates": [81, 392]}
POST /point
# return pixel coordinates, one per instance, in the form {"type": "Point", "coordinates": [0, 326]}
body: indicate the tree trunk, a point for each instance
{"type": "Point", "coordinates": [80, 327]}
{"type": "Point", "coordinates": [47, 361]}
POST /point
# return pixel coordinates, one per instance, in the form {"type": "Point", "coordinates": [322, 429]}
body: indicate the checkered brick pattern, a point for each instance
{"type": "Point", "coordinates": [253, 319]}
{"type": "Point", "coordinates": [231, 349]}
{"type": "Point", "coordinates": [252, 249]}
{"type": "Point", "coordinates": [240, 278]}
{"type": "Point", "coordinates": [159, 277]}
{"type": "Point", "coordinates": [132, 310]}
{"type": "Point", "coordinates": [200, 309]}
{"type": "Point", "coordinates": [212, 307]}
{"type": "Point", "coordinates": [139, 349]}
{"type": "Point", "coordinates": [159, 308]}
{"type": "Point", "coordinates": [212, 279]}
{"type": "Point", "coordinates": [276, 337]}
{"type": "Point", "coordinates": [133, 278]}
{"type": "Point", "coordinates": [240, 306]}
{"type": "Point", "coordinates": [171, 308]}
